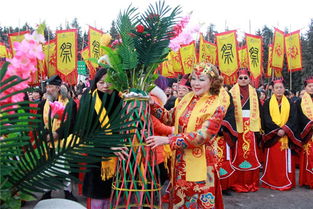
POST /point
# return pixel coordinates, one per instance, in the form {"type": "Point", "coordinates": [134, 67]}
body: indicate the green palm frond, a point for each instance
{"type": "Point", "coordinates": [144, 44]}
{"type": "Point", "coordinates": [158, 21]}
{"type": "Point", "coordinates": [126, 23]}
{"type": "Point", "coordinates": [32, 168]}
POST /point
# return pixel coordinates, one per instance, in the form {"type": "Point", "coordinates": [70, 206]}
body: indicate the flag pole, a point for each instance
{"type": "Point", "coordinates": [48, 59]}
{"type": "Point", "coordinates": [290, 65]}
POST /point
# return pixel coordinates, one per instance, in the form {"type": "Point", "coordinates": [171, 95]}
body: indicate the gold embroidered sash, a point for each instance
{"type": "Point", "coordinates": [255, 121]}
{"type": "Point", "coordinates": [280, 118]}
{"type": "Point", "coordinates": [107, 167]}
{"type": "Point", "coordinates": [196, 165]}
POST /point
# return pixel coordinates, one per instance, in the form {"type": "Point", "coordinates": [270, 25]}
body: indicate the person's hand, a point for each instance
{"type": "Point", "coordinates": [151, 101]}
{"type": "Point", "coordinates": [281, 133]}
{"type": "Point", "coordinates": [154, 141]}
{"type": "Point", "coordinates": [120, 152]}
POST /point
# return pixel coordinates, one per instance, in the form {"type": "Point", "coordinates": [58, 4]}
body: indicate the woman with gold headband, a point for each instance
{"type": "Point", "coordinates": [197, 119]}
{"type": "Point", "coordinates": [279, 124]}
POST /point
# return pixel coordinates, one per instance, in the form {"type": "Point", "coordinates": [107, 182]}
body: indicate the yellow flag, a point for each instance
{"type": "Point", "coordinates": [269, 62]}
{"type": "Point", "coordinates": [3, 51]}
{"type": "Point", "coordinates": [94, 44]}
{"type": "Point", "coordinates": [188, 57]}
{"type": "Point", "coordinates": [293, 51]}
{"type": "Point", "coordinates": [254, 50]}
{"type": "Point", "coordinates": [207, 51]}
{"type": "Point", "coordinates": [85, 55]}
{"type": "Point", "coordinates": [243, 57]}
{"type": "Point", "coordinates": [278, 49]}
{"type": "Point", "coordinates": [227, 55]}
{"type": "Point", "coordinates": [16, 37]}
{"type": "Point", "coordinates": [176, 62]}
{"type": "Point", "coordinates": [50, 57]}
{"type": "Point", "coordinates": [66, 46]}
{"type": "Point", "coordinates": [167, 67]}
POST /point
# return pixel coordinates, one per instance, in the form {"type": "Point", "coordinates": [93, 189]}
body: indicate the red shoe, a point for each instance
{"type": "Point", "coordinates": [166, 198]}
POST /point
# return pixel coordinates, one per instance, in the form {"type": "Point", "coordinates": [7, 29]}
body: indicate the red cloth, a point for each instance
{"type": "Point", "coordinates": [224, 165]}
{"type": "Point", "coordinates": [246, 181]}
{"type": "Point", "coordinates": [160, 129]}
{"type": "Point", "coordinates": [246, 162]}
{"type": "Point", "coordinates": [306, 167]}
{"type": "Point", "coordinates": [244, 92]}
{"type": "Point", "coordinates": [276, 175]}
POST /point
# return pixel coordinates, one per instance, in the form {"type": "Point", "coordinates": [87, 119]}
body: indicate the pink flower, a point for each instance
{"type": "Point", "coordinates": [116, 42]}
{"type": "Point", "coordinates": [22, 65]}
{"type": "Point", "coordinates": [178, 28]}
{"type": "Point", "coordinates": [39, 38]}
{"type": "Point", "coordinates": [57, 109]}
{"type": "Point", "coordinates": [186, 36]}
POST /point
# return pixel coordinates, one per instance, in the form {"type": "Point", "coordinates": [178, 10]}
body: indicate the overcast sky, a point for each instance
{"type": "Point", "coordinates": [234, 14]}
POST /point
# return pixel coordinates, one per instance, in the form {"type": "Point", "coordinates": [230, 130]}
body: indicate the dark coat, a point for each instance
{"type": "Point", "coordinates": [93, 186]}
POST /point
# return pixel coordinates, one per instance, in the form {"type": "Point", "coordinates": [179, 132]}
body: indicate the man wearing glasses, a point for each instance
{"type": "Point", "coordinates": [248, 122]}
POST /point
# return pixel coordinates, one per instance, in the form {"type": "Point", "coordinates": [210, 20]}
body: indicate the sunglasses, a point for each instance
{"type": "Point", "coordinates": [243, 78]}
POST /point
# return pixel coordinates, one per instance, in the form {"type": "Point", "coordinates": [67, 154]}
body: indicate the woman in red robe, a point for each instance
{"type": "Point", "coordinates": [197, 119]}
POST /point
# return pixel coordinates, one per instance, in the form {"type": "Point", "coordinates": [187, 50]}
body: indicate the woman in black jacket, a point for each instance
{"type": "Point", "coordinates": [98, 181]}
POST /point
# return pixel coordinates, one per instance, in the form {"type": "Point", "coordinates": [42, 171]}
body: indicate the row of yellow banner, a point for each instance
{"type": "Point", "coordinates": [229, 58]}
{"type": "Point", "coordinates": [61, 54]}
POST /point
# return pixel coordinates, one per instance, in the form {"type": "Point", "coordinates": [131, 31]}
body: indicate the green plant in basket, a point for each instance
{"type": "Point", "coordinates": [142, 47]}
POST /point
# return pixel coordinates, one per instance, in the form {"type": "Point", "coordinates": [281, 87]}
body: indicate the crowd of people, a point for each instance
{"type": "Point", "coordinates": [209, 138]}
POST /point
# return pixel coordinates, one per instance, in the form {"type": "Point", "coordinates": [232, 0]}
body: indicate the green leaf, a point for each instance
{"type": "Point", "coordinates": [13, 203]}
{"type": "Point", "coordinates": [3, 70]}
{"type": "Point", "coordinates": [27, 197]}
{"type": "Point", "coordinates": [94, 60]}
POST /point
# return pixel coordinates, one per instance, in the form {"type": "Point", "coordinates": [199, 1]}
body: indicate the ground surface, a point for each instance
{"type": "Point", "coordinates": [298, 198]}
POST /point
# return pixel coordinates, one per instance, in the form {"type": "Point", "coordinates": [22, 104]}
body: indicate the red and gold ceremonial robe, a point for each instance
{"type": "Point", "coordinates": [226, 140]}
{"type": "Point", "coordinates": [194, 177]}
{"type": "Point", "coordinates": [248, 123]}
{"type": "Point", "coordinates": [305, 115]}
{"type": "Point", "coordinates": [279, 170]}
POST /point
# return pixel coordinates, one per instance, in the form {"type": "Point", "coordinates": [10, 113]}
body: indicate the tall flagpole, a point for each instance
{"type": "Point", "coordinates": [290, 65]}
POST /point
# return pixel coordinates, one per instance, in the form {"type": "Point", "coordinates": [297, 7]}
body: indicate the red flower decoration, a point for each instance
{"type": "Point", "coordinates": [140, 28]}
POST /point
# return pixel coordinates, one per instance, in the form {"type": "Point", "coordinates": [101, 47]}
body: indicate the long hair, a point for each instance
{"type": "Point", "coordinates": [100, 73]}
